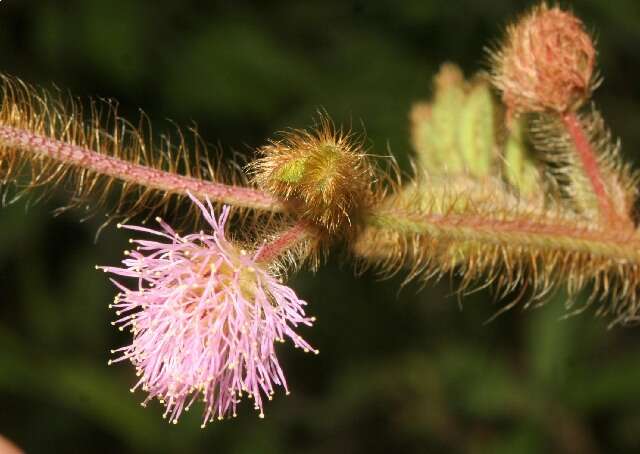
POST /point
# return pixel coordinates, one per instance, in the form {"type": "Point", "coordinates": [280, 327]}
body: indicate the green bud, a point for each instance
{"type": "Point", "coordinates": [292, 171]}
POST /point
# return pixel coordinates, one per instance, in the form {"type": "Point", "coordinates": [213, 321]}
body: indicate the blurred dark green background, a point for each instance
{"type": "Point", "coordinates": [407, 371]}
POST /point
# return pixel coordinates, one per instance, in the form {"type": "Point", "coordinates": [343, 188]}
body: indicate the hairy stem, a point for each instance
{"type": "Point", "coordinates": [590, 165]}
{"type": "Point", "coordinates": [553, 234]}
{"type": "Point", "coordinates": [286, 241]}
{"type": "Point", "coordinates": [128, 172]}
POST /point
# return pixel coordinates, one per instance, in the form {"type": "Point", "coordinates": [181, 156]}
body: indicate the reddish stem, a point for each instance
{"type": "Point", "coordinates": [590, 165]}
{"type": "Point", "coordinates": [287, 240]}
{"type": "Point", "coordinates": [561, 234]}
{"type": "Point", "coordinates": [135, 173]}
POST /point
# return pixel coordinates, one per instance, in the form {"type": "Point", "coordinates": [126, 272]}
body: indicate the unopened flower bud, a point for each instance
{"type": "Point", "coordinates": [323, 174]}
{"type": "Point", "coordinates": [546, 63]}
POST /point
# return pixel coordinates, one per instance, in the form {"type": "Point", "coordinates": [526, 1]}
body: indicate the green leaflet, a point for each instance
{"type": "Point", "coordinates": [456, 132]}
{"type": "Point", "coordinates": [519, 169]}
{"type": "Point", "coordinates": [476, 135]}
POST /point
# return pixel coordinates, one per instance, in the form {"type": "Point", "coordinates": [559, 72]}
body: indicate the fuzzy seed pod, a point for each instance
{"type": "Point", "coordinates": [546, 63]}
{"type": "Point", "coordinates": [323, 174]}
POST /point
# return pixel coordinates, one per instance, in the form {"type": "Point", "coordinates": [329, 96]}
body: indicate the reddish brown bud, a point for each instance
{"type": "Point", "coordinates": [546, 63]}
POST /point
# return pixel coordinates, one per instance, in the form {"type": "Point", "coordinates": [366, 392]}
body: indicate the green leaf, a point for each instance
{"type": "Point", "coordinates": [477, 131]}
{"type": "Point", "coordinates": [456, 133]}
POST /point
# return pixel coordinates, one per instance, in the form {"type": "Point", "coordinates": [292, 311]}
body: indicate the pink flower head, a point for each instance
{"type": "Point", "coordinates": [205, 318]}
